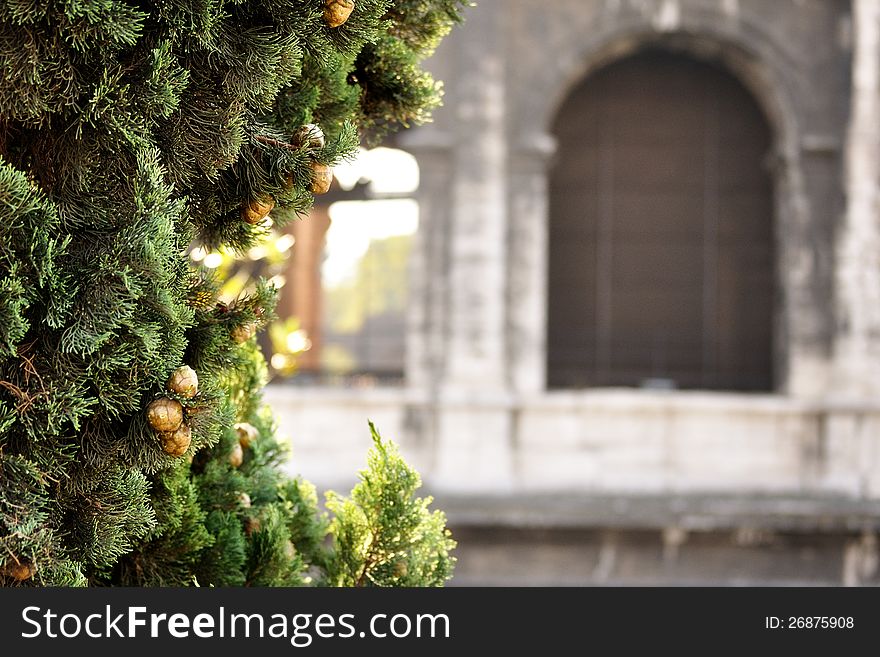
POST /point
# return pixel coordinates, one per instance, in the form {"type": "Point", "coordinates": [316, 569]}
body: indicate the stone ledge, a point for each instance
{"type": "Point", "coordinates": [709, 512]}
{"type": "Point", "coordinates": [598, 400]}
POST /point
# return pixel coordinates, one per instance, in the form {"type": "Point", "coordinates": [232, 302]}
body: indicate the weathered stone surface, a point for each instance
{"type": "Point", "coordinates": [643, 475]}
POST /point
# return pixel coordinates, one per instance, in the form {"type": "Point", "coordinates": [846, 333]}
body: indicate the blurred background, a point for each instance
{"type": "Point", "coordinates": [619, 303]}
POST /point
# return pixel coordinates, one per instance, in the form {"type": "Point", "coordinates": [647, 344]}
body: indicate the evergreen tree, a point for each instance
{"type": "Point", "coordinates": [134, 446]}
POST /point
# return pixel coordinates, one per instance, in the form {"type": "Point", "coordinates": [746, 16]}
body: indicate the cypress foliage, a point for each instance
{"type": "Point", "coordinates": [129, 131]}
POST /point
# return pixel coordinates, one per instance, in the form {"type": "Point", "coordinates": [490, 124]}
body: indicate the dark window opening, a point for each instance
{"type": "Point", "coordinates": [661, 262]}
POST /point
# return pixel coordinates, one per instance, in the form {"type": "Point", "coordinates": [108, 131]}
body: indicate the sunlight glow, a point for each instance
{"type": "Point", "coordinates": [354, 224]}
{"type": "Point", "coordinates": [213, 260]}
{"type": "Point", "coordinates": [387, 170]}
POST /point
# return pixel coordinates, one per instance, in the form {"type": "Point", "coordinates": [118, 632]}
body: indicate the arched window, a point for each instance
{"type": "Point", "coordinates": [661, 263]}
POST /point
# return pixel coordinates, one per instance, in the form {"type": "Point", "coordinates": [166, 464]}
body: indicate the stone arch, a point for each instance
{"type": "Point", "coordinates": [760, 64]}
{"type": "Point", "coordinates": [768, 71]}
{"type": "Point", "coordinates": [660, 153]}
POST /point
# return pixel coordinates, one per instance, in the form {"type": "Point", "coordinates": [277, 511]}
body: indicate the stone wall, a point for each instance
{"type": "Point", "coordinates": [601, 442]}
{"type": "Point", "coordinates": [475, 416]}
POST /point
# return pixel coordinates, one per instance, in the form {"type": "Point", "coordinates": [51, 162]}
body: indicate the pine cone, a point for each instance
{"type": "Point", "coordinates": [236, 456]}
{"type": "Point", "coordinates": [244, 332]}
{"type": "Point", "coordinates": [311, 134]}
{"type": "Point", "coordinates": [336, 12]}
{"type": "Point", "coordinates": [184, 382]}
{"type": "Point", "coordinates": [322, 178]}
{"type": "Point", "coordinates": [175, 443]}
{"type": "Point", "coordinates": [247, 434]}
{"type": "Point", "coordinates": [19, 571]}
{"type": "Point", "coordinates": [255, 211]}
{"type": "Point", "coordinates": [165, 414]}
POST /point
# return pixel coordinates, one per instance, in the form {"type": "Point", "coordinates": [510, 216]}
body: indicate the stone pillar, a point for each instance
{"type": "Point", "coordinates": [478, 237]}
{"type": "Point", "coordinates": [472, 429]}
{"type": "Point", "coordinates": [428, 267]}
{"type": "Point", "coordinates": [857, 274]}
{"type": "Point", "coordinates": [527, 278]}
{"type": "Point", "coordinates": [803, 350]}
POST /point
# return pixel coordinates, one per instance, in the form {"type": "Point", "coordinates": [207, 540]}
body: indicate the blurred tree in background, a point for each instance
{"type": "Point", "coordinates": [134, 446]}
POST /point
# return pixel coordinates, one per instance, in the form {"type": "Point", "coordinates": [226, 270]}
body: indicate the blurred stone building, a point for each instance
{"type": "Point", "coordinates": [643, 340]}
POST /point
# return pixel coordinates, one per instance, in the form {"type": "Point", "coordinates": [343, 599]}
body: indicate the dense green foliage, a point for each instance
{"type": "Point", "coordinates": [131, 130]}
{"type": "Point", "coordinates": [385, 535]}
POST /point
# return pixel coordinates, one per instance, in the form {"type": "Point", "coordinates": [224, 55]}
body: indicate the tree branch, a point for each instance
{"type": "Point", "coordinates": [274, 142]}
